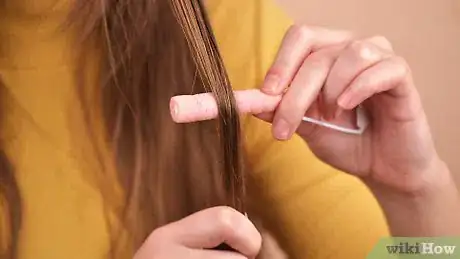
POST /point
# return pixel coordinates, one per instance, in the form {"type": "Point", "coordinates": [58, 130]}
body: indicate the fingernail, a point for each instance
{"type": "Point", "coordinates": [344, 101]}
{"type": "Point", "coordinates": [329, 114]}
{"type": "Point", "coordinates": [281, 130]}
{"type": "Point", "coordinates": [271, 83]}
{"type": "Point", "coordinates": [337, 113]}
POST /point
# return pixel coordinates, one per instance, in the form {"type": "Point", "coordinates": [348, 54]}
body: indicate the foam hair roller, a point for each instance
{"type": "Point", "coordinates": [200, 107]}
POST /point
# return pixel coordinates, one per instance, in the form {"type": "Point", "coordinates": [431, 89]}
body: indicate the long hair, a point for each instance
{"type": "Point", "coordinates": [149, 51]}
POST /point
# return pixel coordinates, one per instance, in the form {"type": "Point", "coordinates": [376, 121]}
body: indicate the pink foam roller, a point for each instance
{"type": "Point", "coordinates": [199, 107]}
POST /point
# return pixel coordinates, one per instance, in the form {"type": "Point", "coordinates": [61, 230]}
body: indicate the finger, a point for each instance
{"type": "Point", "coordinates": [297, 44]}
{"type": "Point", "coordinates": [387, 75]}
{"type": "Point", "coordinates": [303, 91]}
{"type": "Point", "coordinates": [191, 108]}
{"type": "Point", "coordinates": [265, 116]}
{"type": "Point", "coordinates": [356, 58]}
{"type": "Point", "coordinates": [211, 254]}
{"type": "Point", "coordinates": [212, 227]}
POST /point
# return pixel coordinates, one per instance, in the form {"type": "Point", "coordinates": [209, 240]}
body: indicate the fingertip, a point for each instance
{"type": "Point", "coordinates": [272, 84]}
{"type": "Point", "coordinates": [281, 129]}
{"type": "Point", "coordinates": [338, 112]}
{"type": "Point", "coordinates": [345, 100]}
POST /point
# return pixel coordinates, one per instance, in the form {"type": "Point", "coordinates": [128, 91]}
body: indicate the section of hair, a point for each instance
{"type": "Point", "coordinates": [10, 201]}
{"type": "Point", "coordinates": [197, 29]}
{"type": "Point", "coordinates": [155, 50]}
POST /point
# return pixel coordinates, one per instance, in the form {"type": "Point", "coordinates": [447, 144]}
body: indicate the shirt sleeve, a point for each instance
{"type": "Point", "coordinates": [313, 210]}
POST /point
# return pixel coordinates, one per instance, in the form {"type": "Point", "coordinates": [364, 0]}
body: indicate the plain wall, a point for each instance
{"type": "Point", "coordinates": [426, 33]}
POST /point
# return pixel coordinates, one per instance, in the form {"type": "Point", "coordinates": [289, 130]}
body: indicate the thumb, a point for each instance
{"type": "Point", "coordinates": [306, 128]}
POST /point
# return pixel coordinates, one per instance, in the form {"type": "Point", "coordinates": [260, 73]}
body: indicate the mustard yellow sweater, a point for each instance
{"type": "Point", "coordinates": [313, 210]}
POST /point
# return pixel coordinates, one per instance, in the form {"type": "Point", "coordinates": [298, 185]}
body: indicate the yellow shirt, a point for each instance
{"type": "Point", "coordinates": [313, 210]}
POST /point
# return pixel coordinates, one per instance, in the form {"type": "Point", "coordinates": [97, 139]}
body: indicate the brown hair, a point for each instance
{"type": "Point", "coordinates": [152, 50]}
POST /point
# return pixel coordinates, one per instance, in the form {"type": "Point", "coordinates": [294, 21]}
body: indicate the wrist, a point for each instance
{"type": "Point", "coordinates": [431, 207]}
{"type": "Point", "coordinates": [414, 183]}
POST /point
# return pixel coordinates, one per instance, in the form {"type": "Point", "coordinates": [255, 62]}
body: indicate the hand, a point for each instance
{"type": "Point", "coordinates": [323, 73]}
{"type": "Point", "coordinates": [195, 236]}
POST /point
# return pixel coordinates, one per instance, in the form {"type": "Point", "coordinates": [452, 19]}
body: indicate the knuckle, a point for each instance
{"type": "Point", "coordinates": [382, 42]}
{"type": "Point", "coordinates": [364, 50]}
{"type": "Point", "coordinates": [302, 32]}
{"type": "Point", "coordinates": [225, 220]}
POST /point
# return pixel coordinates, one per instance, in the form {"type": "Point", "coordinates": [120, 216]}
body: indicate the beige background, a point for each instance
{"type": "Point", "coordinates": [426, 33]}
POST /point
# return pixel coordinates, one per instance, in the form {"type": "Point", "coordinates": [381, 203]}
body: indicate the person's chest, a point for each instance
{"type": "Point", "coordinates": [62, 208]}
{"type": "Point", "coordinates": [45, 138]}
